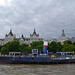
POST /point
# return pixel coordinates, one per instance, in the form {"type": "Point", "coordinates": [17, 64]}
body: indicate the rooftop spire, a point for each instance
{"type": "Point", "coordinates": [34, 31]}
{"type": "Point", "coordinates": [11, 32]}
{"type": "Point", "coordinates": [63, 34]}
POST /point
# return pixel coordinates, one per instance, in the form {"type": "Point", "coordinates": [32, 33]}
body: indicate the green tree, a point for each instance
{"type": "Point", "coordinates": [73, 43]}
{"type": "Point", "coordinates": [14, 46]}
{"type": "Point", "coordinates": [59, 47]}
{"type": "Point", "coordinates": [37, 45]}
{"type": "Point", "coordinates": [25, 48]}
{"type": "Point", "coordinates": [68, 48]}
{"type": "Point", "coordinates": [0, 48]}
{"type": "Point", "coordinates": [67, 42]}
{"type": "Point", "coordinates": [4, 50]}
{"type": "Point", "coordinates": [22, 46]}
{"type": "Point", "coordinates": [28, 49]}
{"type": "Point", "coordinates": [52, 47]}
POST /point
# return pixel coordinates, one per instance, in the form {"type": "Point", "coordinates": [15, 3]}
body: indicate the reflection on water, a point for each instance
{"type": "Point", "coordinates": [21, 69]}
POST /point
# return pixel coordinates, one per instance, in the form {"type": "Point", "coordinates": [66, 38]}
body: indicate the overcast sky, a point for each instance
{"type": "Point", "coordinates": [48, 17]}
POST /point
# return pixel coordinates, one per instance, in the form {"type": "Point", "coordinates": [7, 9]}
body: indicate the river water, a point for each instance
{"type": "Point", "coordinates": [22, 69]}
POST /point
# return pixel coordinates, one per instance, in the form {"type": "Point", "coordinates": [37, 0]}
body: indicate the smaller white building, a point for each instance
{"type": "Point", "coordinates": [62, 38]}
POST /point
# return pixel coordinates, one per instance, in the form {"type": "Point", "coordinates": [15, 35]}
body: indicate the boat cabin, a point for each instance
{"type": "Point", "coordinates": [65, 53]}
{"type": "Point", "coordinates": [35, 52]}
{"type": "Point", "coordinates": [14, 53]}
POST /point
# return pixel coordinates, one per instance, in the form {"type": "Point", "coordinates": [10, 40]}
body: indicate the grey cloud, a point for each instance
{"type": "Point", "coordinates": [48, 17]}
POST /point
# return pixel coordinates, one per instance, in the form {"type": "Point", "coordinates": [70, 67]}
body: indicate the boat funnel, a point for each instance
{"type": "Point", "coordinates": [45, 47]}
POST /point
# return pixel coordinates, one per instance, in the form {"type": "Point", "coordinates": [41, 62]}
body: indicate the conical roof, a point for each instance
{"type": "Point", "coordinates": [63, 34]}
{"type": "Point", "coordinates": [11, 33]}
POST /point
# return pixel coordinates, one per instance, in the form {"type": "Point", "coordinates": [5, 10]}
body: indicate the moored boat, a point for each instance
{"type": "Point", "coordinates": [37, 58]}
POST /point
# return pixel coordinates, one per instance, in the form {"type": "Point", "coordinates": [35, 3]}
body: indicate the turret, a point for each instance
{"type": "Point", "coordinates": [63, 34]}
{"type": "Point", "coordinates": [10, 33]}
{"type": "Point", "coordinates": [34, 32]}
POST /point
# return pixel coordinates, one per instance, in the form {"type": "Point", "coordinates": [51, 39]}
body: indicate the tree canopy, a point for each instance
{"type": "Point", "coordinates": [54, 47]}
{"type": "Point", "coordinates": [15, 46]}
{"type": "Point", "coordinates": [37, 45]}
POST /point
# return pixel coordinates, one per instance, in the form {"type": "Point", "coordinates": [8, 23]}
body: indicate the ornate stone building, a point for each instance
{"type": "Point", "coordinates": [23, 40]}
{"type": "Point", "coordinates": [28, 41]}
{"type": "Point", "coordinates": [33, 37]}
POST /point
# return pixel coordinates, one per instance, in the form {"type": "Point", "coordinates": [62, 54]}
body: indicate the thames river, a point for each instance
{"type": "Point", "coordinates": [22, 69]}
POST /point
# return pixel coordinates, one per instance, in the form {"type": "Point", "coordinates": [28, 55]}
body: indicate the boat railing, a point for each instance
{"type": "Point", "coordinates": [67, 57]}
